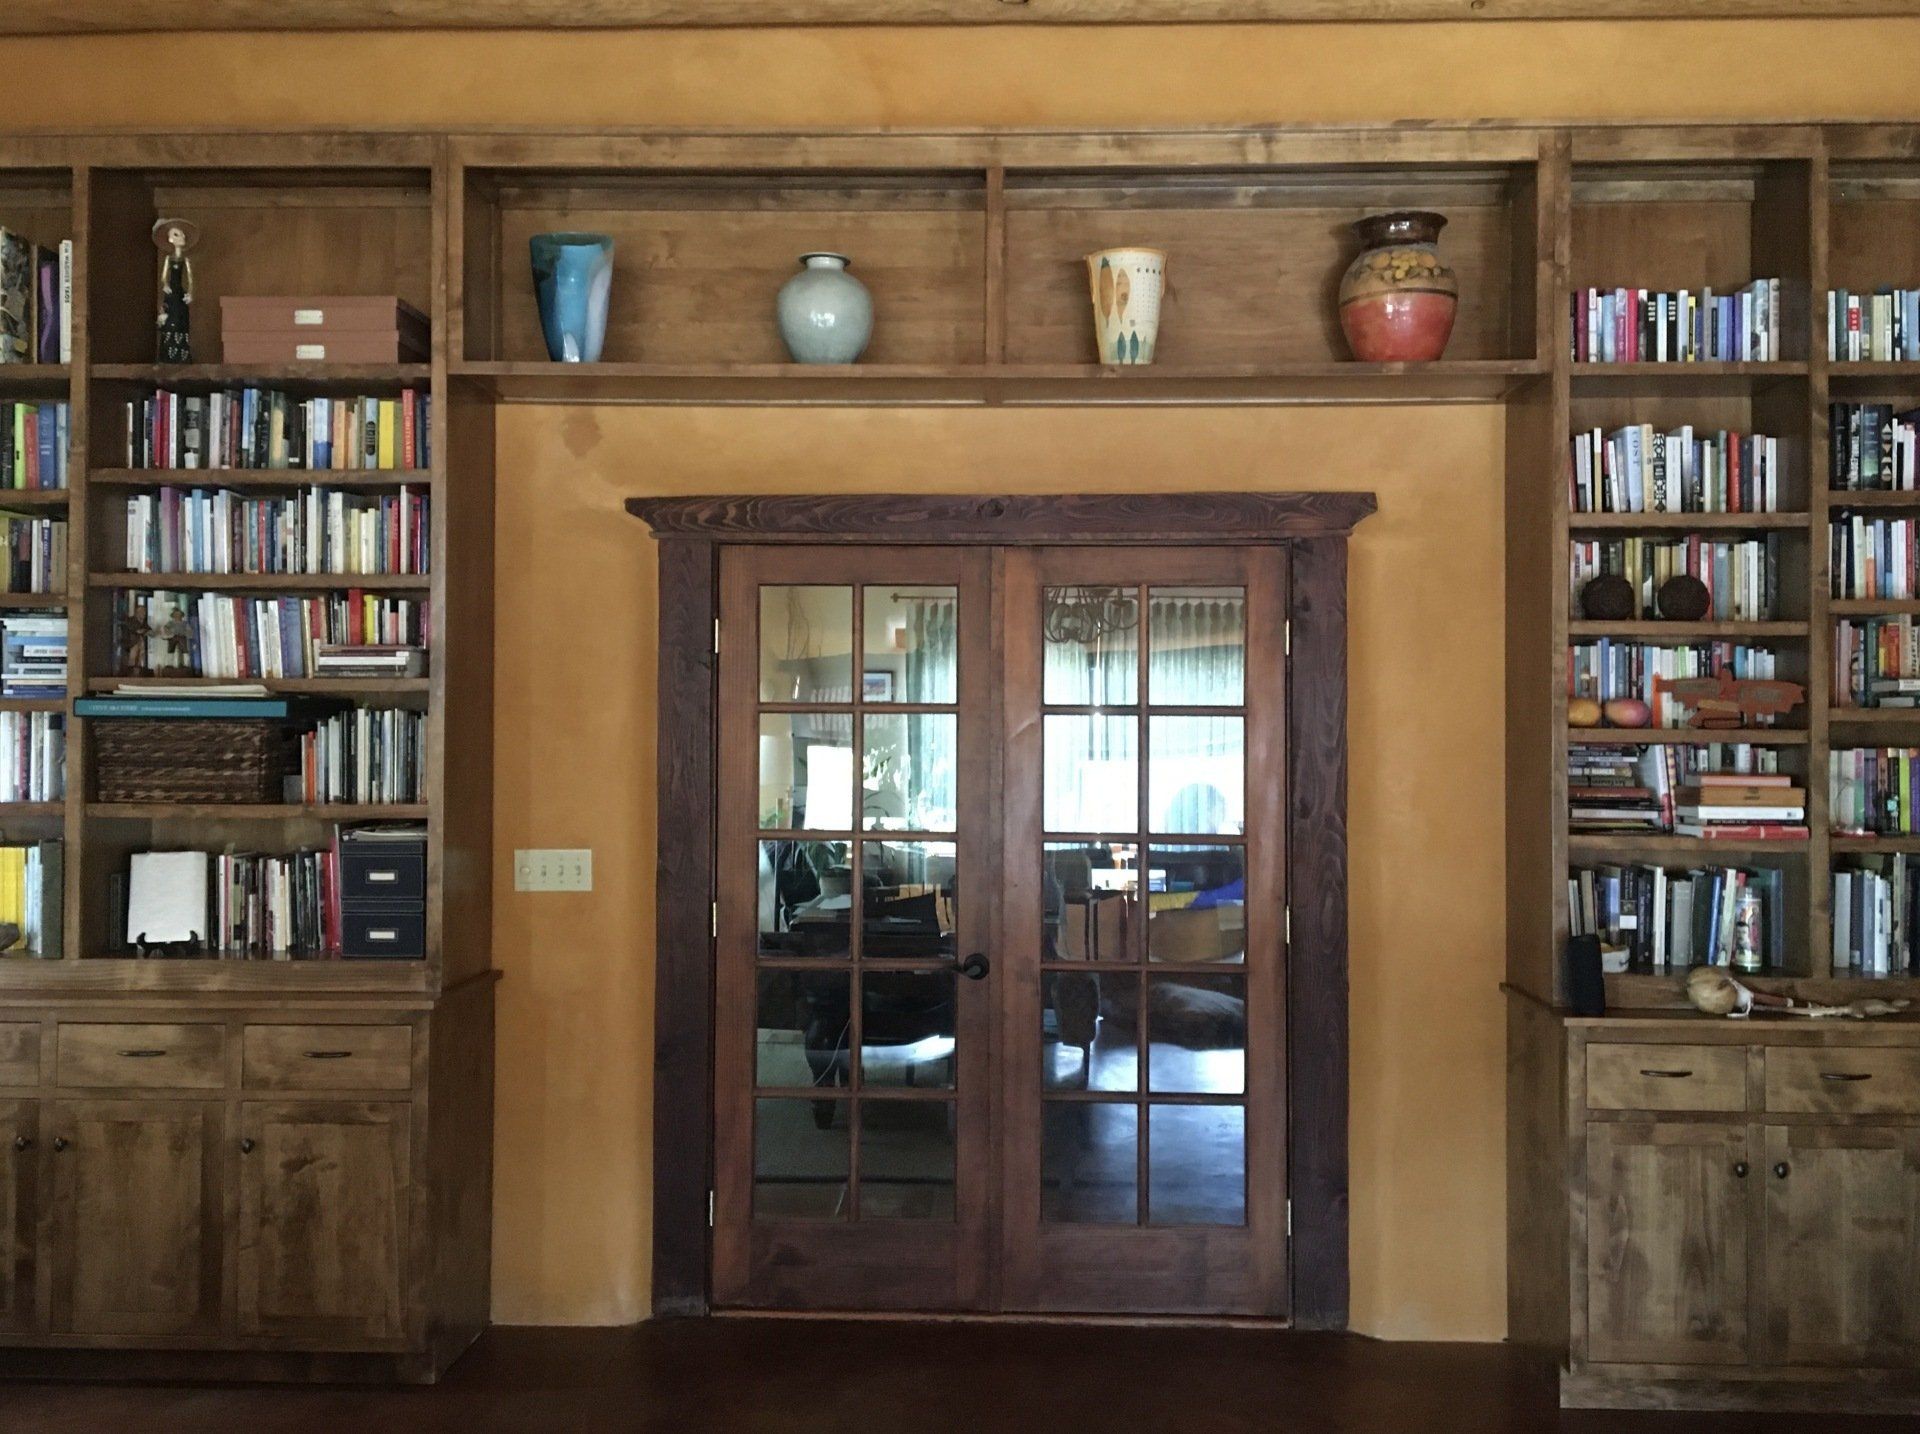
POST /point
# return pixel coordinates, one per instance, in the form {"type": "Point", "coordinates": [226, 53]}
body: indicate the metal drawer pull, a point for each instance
{"type": "Point", "coordinates": [328, 1055]}
{"type": "Point", "coordinates": [1846, 1075]}
{"type": "Point", "coordinates": [142, 1055]}
{"type": "Point", "coordinates": [1739, 1170]}
{"type": "Point", "coordinates": [374, 876]}
{"type": "Point", "coordinates": [383, 933]}
{"type": "Point", "coordinates": [1668, 1075]}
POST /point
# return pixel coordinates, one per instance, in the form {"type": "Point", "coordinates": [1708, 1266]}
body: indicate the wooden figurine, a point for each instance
{"type": "Point", "coordinates": [173, 237]}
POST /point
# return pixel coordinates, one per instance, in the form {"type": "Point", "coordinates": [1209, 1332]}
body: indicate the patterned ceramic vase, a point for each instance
{"type": "Point", "coordinates": [825, 314]}
{"type": "Point", "coordinates": [1397, 300]}
{"type": "Point", "coordinates": [573, 280]}
{"type": "Point", "coordinates": [1126, 286]}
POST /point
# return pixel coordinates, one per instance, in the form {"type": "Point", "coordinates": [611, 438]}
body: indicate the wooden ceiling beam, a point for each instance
{"type": "Point", "coordinates": [58, 17]}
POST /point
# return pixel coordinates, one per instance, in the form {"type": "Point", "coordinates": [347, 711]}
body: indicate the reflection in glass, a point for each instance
{"type": "Point", "coordinates": [911, 898]}
{"type": "Point", "coordinates": [806, 898]}
{"type": "Point", "coordinates": [1090, 894]}
{"type": "Point", "coordinates": [1196, 778]}
{"type": "Point", "coordinates": [906, 1159]}
{"type": "Point", "coordinates": [1088, 1030]}
{"type": "Point", "coordinates": [800, 1158]}
{"type": "Point", "coordinates": [1089, 1163]}
{"type": "Point", "coordinates": [1092, 646]}
{"type": "Point", "coordinates": [1196, 646]}
{"type": "Point", "coordinates": [803, 1029]}
{"type": "Point", "coordinates": [806, 644]}
{"type": "Point", "coordinates": [1197, 1035]}
{"type": "Point", "coordinates": [1091, 774]}
{"type": "Point", "coordinates": [1197, 1165]}
{"type": "Point", "coordinates": [1197, 903]}
{"type": "Point", "coordinates": [907, 1028]}
{"type": "Point", "coordinates": [911, 652]}
{"type": "Point", "coordinates": [806, 771]}
{"type": "Point", "coordinates": [911, 765]}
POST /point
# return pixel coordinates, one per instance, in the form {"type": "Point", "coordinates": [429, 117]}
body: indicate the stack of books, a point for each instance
{"type": "Point", "coordinates": [1639, 469]}
{"type": "Point", "coordinates": [33, 757]}
{"type": "Point", "coordinates": [230, 905]}
{"type": "Point", "coordinates": [1881, 327]}
{"type": "Point", "coordinates": [1604, 669]}
{"type": "Point", "coordinates": [1742, 807]}
{"type": "Point", "coordinates": [33, 656]}
{"type": "Point", "coordinates": [218, 635]}
{"type": "Point", "coordinates": [1660, 919]}
{"type": "Point", "coordinates": [1876, 662]}
{"type": "Point", "coordinates": [265, 428]}
{"type": "Point", "coordinates": [1618, 789]}
{"type": "Point", "coordinates": [36, 300]}
{"type": "Point", "coordinates": [34, 551]}
{"type": "Point", "coordinates": [32, 887]}
{"type": "Point", "coordinates": [33, 446]}
{"type": "Point", "coordinates": [369, 660]}
{"type": "Point", "coordinates": [1874, 910]}
{"type": "Point", "coordinates": [1873, 447]}
{"type": "Point", "coordinates": [1677, 326]}
{"type": "Point", "coordinates": [1874, 791]}
{"type": "Point", "coordinates": [322, 530]}
{"type": "Point", "coordinates": [1742, 576]}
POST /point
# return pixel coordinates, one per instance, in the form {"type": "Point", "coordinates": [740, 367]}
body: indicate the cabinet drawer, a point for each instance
{"type": "Point", "coordinates": [19, 1053]}
{"type": "Point", "coordinates": [328, 1057]}
{"type": "Point", "coordinates": [1650, 1077]}
{"type": "Point", "coordinates": [1843, 1080]}
{"type": "Point", "coordinates": [126, 1054]}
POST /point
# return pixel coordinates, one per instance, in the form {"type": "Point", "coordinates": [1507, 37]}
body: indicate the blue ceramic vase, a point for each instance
{"type": "Point", "coordinates": [572, 279]}
{"type": "Point", "coordinates": [826, 315]}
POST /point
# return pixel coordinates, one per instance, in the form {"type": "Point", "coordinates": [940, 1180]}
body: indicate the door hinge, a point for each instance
{"type": "Point", "coordinates": [716, 637]}
{"type": "Point", "coordinates": [1289, 1219]}
{"type": "Point", "coordinates": [713, 919]}
{"type": "Point", "coordinates": [1289, 914]}
{"type": "Point", "coordinates": [1289, 638]}
{"type": "Point", "coordinates": [710, 1213]}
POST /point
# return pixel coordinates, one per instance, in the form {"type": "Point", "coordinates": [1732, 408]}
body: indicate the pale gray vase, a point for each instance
{"type": "Point", "coordinates": [825, 314]}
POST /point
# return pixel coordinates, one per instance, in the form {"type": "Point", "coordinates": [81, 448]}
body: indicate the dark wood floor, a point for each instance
{"type": "Point", "coordinates": [761, 1376]}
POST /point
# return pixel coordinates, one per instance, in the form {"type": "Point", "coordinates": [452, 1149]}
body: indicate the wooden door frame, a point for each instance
{"type": "Point", "coordinates": [692, 530]}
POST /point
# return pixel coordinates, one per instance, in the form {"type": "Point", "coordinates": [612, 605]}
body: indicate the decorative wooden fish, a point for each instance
{"type": "Point", "coordinates": [1724, 700]}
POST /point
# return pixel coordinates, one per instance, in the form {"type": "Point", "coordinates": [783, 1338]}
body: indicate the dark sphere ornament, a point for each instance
{"type": "Point", "coordinates": [1607, 598]}
{"type": "Point", "coordinates": [1683, 599]}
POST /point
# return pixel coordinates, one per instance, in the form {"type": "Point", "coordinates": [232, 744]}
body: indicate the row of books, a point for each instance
{"type": "Point", "coordinates": [33, 757]}
{"type": "Point", "coordinates": [1678, 325]}
{"type": "Point", "coordinates": [1873, 448]}
{"type": "Point", "coordinates": [36, 300]}
{"type": "Point", "coordinates": [1876, 662]}
{"type": "Point", "coordinates": [1664, 788]}
{"type": "Point", "coordinates": [34, 552]}
{"type": "Point", "coordinates": [1604, 669]}
{"type": "Point", "coordinates": [1742, 576]}
{"type": "Point", "coordinates": [233, 905]}
{"type": "Point", "coordinates": [365, 755]}
{"type": "Point", "coordinates": [1640, 469]}
{"type": "Point", "coordinates": [33, 656]}
{"type": "Point", "coordinates": [1874, 791]}
{"type": "Point", "coordinates": [1882, 327]}
{"type": "Point", "coordinates": [320, 530]}
{"type": "Point", "coordinates": [32, 897]}
{"type": "Point", "coordinates": [1874, 557]}
{"type": "Point", "coordinates": [34, 440]}
{"type": "Point", "coordinates": [1874, 910]}
{"type": "Point", "coordinates": [260, 428]}
{"type": "Point", "coordinates": [217, 635]}
{"type": "Point", "coordinates": [1661, 919]}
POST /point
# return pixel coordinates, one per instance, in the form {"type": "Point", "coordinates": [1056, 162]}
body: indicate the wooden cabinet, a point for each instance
{"type": "Point", "coordinates": [20, 1159]}
{"type": "Point", "coordinates": [1668, 1225]}
{"type": "Point", "coordinates": [324, 1196]}
{"type": "Point", "coordinates": [138, 1243]}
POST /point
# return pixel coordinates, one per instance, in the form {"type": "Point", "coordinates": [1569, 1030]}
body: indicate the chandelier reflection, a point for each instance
{"type": "Point", "coordinates": [1085, 615]}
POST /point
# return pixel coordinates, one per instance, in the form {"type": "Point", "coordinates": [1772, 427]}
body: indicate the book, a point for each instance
{"type": "Point", "coordinates": [1742, 831]}
{"type": "Point", "coordinates": [261, 708]}
{"type": "Point", "coordinates": [369, 660]}
{"type": "Point", "coordinates": [32, 897]}
{"type": "Point", "coordinates": [167, 897]}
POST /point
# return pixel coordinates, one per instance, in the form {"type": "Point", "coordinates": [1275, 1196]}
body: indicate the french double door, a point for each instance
{"type": "Point", "coordinates": [1000, 967]}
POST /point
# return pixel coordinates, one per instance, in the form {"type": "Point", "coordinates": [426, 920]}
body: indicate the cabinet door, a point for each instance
{"type": "Point", "coordinates": [19, 1212]}
{"type": "Point", "coordinates": [324, 1188]}
{"type": "Point", "coordinates": [1843, 1244]}
{"type": "Point", "coordinates": [138, 1216]}
{"type": "Point", "coordinates": [1668, 1213]}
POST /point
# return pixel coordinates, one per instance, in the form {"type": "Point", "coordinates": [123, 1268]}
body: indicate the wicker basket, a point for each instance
{"type": "Point", "coordinates": [167, 760]}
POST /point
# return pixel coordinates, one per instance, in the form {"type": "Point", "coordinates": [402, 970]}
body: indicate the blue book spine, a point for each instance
{"type": "Point", "coordinates": [266, 707]}
{"type": "Point", "coordinates": [49, 431]}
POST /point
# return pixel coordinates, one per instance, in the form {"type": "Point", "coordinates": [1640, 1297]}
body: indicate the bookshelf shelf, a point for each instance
{"type": "Point", "coordinates": [1839, 843]}
{"type": "Point", "coordinates": [37, 379]}
{"type": "Point", "coordinates": [33, 704]}
{"type": "Point", "coordinates": [112, 975]}
{"type": "Point", "coordinates": [269, 812]}
{"type": "Point", "coordinates": [1656, 631]}
{"type": "Point", "coordinates": [50, 601]}
{"type": "Point", "coordinates": [1873, 716]}
{"type": "Point", "coordinates": [1660, 846]}
{"type": "Point", "coordinates": [270, 582]}
{"type": "Point", "coordinates": [273, 478]}
{"type": "Point", "coordinates": [1689, 736]}
{"type": "Point", "coordinates": [32, 809]}
{"type": "Point", "coordinates": [1872, 607]}
{"type": "Point", "coordinates": [1859, 369]}
{"type": "Point", "coordinates": [316, 377]}
{"type": "Point", "coordinates": [1686, 522]}
{"type": "Point", "coordinates": [309, 686]}
{"type": "Point", "coordinates": [24, 498]}
{"type": "Point", "coordinates": [1873, 498]}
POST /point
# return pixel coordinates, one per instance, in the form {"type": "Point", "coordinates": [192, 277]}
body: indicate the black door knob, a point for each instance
{"type": "Point", "coordinates": [59, 1142]}
{"type": "Point", "coordinates": [23, 1142]}
{"type": "Point", "coordinates": [1782, 1170]}
{"type": "Point", "coordinates": [1739, 1170]}
{"type": "Point", "coordinates": [974, 967]}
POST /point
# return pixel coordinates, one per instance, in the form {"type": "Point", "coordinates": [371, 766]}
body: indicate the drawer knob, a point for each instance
{"type": "Point", "coordinates": [1667, 1075]}
{"type": "Point", "coordinates": [246, 1146]}
{"type": "Point", "coordinates": [1782, 1170]}
{"type": "Point", "coordinates": [328, 1055]}
{"type": "Point", "coordinates": [1846, 1075]}
{"type": "Point", "coordinates": [1739, 1170]}
{"type": "Point", "coordinates": [23, 1142]}
{"type": "Point", "coordinates": [59, 1142]}
{"type": "Point", "coordinates": [145, 1055]}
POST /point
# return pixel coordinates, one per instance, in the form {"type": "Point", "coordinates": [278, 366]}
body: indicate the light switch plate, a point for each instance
{"type": "Point", "coordinates": [553, 869]}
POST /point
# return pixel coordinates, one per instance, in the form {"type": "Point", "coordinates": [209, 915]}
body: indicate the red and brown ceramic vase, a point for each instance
{"type": "Point", "coordinates": [1397, 300]}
